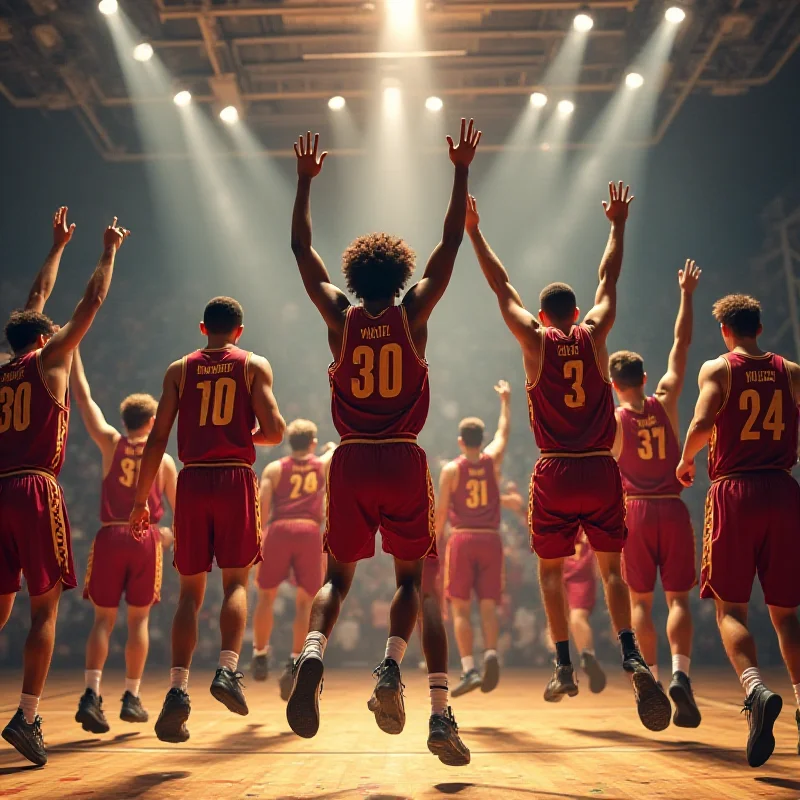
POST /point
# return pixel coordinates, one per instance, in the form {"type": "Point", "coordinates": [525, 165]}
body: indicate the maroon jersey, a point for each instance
{"type": "Point", "coordinates": [475, 503]}
{"type": "Point", "coordinates": [650, 451]}
{"type": "Point", "coordinates": [118, 490]}
{"type": "Point", "coordinates": [300, 490]}
{"type": "Point", "coordinates": [33, 423]}
{"type": "Point", "coordinates": [215, 413]}
{"type": "Point", "coordinates": [570, 402]}
{"type": "Point", "coordinates": [756, 428]}
{"type": "Point", "coordinates": [379, 385]}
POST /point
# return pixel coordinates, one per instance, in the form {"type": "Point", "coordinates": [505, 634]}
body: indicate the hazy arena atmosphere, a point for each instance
{"type": "Point", "coordinates": [399, 399]}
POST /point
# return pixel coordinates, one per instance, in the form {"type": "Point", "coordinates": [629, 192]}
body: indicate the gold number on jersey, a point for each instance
{"type": "Point", "coordinates": [573, 371]}
{"type": "Point", "coordinates": [478, 493]}
{"type": "Point", "coordinates": [224, 391]}
{"type": "Point", "coordinates": [390, 371]}
{"type": "Point", "coordinates": [646, 436]}
{"type": "Point", "coordinates": [15, 407]}
{"type": "Point", "coordinates": [750, 401]}
{"type": "Point", "coordinates": [130, 471]}
{"type": "Point", "coordinates": [303, 485]}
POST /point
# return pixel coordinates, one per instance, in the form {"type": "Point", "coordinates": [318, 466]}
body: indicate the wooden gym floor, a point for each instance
{"type": "Point", "coordinates": [590, 747]}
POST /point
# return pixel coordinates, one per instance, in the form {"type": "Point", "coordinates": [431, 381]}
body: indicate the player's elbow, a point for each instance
{"type": "Point", "coordinates": [301, 245]}
{"type": "Point", "coordinates": [452, 237]}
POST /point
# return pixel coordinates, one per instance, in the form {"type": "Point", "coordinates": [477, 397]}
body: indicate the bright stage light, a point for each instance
{"type": "Point", "coordinates": [108, 7]}
{"type": "Point", "coordinates": [183, 98]}
{"type": "Point", "coordinates": [434, 104]}
{"type": "Point", "coordinates": [582, 23]}
{"type": "Point", "coordinates": [675, 15]}
{"type": "Point", "coordinates": [565, 107]}
{"type": "Point", "coordinates": [336, 103]}
{"type": "Point", "coordinates": [392, 100]}
{"type": "Point", "coordinates": [229, 115]}
{"type": "Point", "coordinates": [633, 80]}
{"type": "Point", "coordinates": [401, 12]}
{"type": "Point", "coordinates": [143, 51]}
{"type": "Point", "coordinates": [538, 100]}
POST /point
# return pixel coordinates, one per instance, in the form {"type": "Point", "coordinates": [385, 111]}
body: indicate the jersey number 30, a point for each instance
{"type": "Point", "coordinates": [390, 371]}
{"type": "Point", "coordinates": [15, 407]}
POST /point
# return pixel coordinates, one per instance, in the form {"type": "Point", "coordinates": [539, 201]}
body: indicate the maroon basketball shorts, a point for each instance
{"type": "Point", "coordinates": [580, 582]}
{"type": "Point", "coordinates": [120, 564]}
{"type": "Point", "coordinates": [34, 534]}
{"type": "Point", "coordinates": [568, 493]}
{"type": "Point", "coordinates": [432, 576]}
{"type": "Point", "coordinates": [752, 526]}
{"type": "Point", "coordinates": [474, 563]}
{"type": "Point", "coordinates": [217, 516]}
{"type": "Point", "coordinates": [660, 538]}
{"type": "Point", "coordinates": [292, 547]}
{"type": "Point", "coordinates": [379, 485]}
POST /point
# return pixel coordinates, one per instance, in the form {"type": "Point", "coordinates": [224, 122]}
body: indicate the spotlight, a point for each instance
{"type": "Point", "coordinates": [401, 12]}
{"type": "Point", "coordinates": [675, 15]}
{"type": "Point", "coordinates": [538, 100]}
{"type": "Point", "coordinates": [582, 23]}
{"type": "Point", "coordinates": [183, 98]}
{"type": "Point", "coordinates": [392, 100]}
{"type": "Point", "coordinates": [434, 104]}
{"type": "Point", "coordinates": [633, 80]}
{"type": "Point", "coordinates": [108, 7]}
{"type": "Point", "coordinates": [229, 115]}
{"type": "Point", "coordinates": [545, 147]}
{"type": "Point", "coordinates": [143, 51]}
{"type": "Point", "coordinates": [336, 103]}
{"type": "Point", "coordinates": [565, 107]}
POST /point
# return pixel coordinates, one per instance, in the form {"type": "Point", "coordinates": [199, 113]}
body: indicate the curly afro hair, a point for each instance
{"type": "Point", "coordinates": [24, 327]}
{"type": "Point", "coordinates": [377, 266]}
{"type": "Point", "coordinates": [739, 312]}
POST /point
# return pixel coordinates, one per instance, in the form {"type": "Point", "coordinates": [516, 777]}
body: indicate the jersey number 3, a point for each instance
{"type": "Point", "coordinates": [573, 371]}
{"type": "Point", "coordinates": [390, 371]}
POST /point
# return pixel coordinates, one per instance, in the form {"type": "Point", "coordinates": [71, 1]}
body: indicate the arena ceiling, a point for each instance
{"type": "Point", "coordinates": [283, 60]}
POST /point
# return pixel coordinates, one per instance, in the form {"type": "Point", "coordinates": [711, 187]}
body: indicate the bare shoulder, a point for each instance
{"type": "Point", "coordinates": [716, 369]}
{"type": "Point", "coordinates": [168, 462]}
{"type": "Point", "coordinates": [260, 365]}
{"type": "Point", "coordinates": [271, 471]}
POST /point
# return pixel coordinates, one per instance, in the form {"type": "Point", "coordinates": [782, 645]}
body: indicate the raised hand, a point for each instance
{"type": "Point", "coordinates": [689, 276]}
{"type": "Point", "coordinates": [503, 388]}
{"type": "Point", "coordinates": [139, 521]}
{"type": "Point", "coordinates": [617, 206]}
{"type": "Point", "coordinates": [114, 236]}
{"type": "Point", "coordinates": [462, 154]}
{"type": "Point", "coordinates": [473, 218]}
{"type": "Point", "coordinates": [308, 165]}
{"type": "Point", "coordinates": [62, 231]}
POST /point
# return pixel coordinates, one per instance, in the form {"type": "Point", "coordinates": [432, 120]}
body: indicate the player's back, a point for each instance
{"type": "Point", "coordinates": [379, 385]}
{"type": "Point", "coordinates": [33, 423]}
{"type": "Point", "coordinates": [756, 428]}
{"type": "Point", "coordinates": [570, 403]}
{"type": "Point", "coordinates": [300, 490]}
{"type": "Point", "coordinates": [475, 502]}
{"type": "Point", "coordinates": [215, 413]}
{"type": "Point", "coordinates": [650, 451]}
{"type": "Point", "coordinates": [118, 490]}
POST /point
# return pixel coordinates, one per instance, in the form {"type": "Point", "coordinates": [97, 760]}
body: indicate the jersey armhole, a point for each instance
{"type": "Point", "coordinates": [728, 388]}
{"type": "Point", "coordinates": [540, 332]}
{"type": "Point", "coordinates": [248, 379]}
{"type": "Point", "coordinates": [338, 363]}
{"type": "Point", "coordinates": [407, 329]}
{"type": "Point", "coordinates": [183, 377]}
{"type": "Point", "coordinates": [596, 357]}
{"type": "Point", "coordinates": [43, 379]}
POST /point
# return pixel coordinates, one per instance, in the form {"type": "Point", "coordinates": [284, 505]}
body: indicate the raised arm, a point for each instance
{"type": "Point", "coordinates": [105, 436]}
{"type": "Point", "coordinates": [496, 449]}
{"type": "Point", "coordinates": [601, 318]}
{"type": "Point", "coordinates": [422, 298]}
{"type": "Point", "coordinates": [447, 478]}
{"type": "Point", "coordinates": [330, 301]}
{"type": "Point", "coordinates": [270, 422]}
{"type": "Point", "coordinates": [46, 279]}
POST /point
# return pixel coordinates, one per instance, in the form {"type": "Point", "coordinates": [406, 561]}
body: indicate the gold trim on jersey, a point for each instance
{"type": "Point", "coordinates": [728, 387]}
{"type": "Point", "coordinates": [58, 527]}
{"type": "Point", "coordinates": [40, 368]}
{"type": "Point", "coordinates": [652, 497]}
{"type": "Point", "coordinates": [708, 532]}
{"type": "Point", "coordinates": [90, 563]}
{"type": "Point", "coordinates": [542, 340]}
{"type": "Point", "coordinates": [747, 473]}
{"type": "Point", "coordinates": [409, 439]}
{"type": "Point", "coordinates": [159, 567]}
{"type": "Point", "coordinates": [296, 519]}
{"type": "Point", "coordinates": [334, 365]}
{"type": "Point", "coordinates": [422, 362]}
{"type": "Point", "coordinates": [587, 454]}
{"type": "Point", "coordinates": [530, 512]}
{"type": "Point", "coordinates": [257, 496]}
{"type": "Point", "coordinates": [61, 436]}
{"type": "Point", "coordinates": [326, 548]}
{"type": "Point", "coordinates": [375, 316]}
{"type": "Point", "coordinates": [32, 471]}
{"type": "Point", "coordinates": [231, 463]}
{"type": "Point", "coordinates": [596, 357]}
{"type": "Point", "coordinates": [247, 377]}
{"type": "Point", "coordinates": [183, 377]}
{"type": "Point", "coordinates": [431, 511]}
{"type": "Point", "coordinates": [117, 523]}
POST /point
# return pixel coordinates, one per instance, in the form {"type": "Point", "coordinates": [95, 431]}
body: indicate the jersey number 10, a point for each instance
{"type": "Point", "coordinates": [224, 391]}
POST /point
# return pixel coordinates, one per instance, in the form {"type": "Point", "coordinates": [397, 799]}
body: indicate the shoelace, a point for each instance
{"type": "Point", "coordinates": [238, 679]}
{"type": "Point", "coordinates": [448, 715]}
{"type": "Point", "coordinates": [37, 729]}
{"type": "Point", "coordinates": [378, 671]}
{"type": "Point", "coordinates": [747, 708]}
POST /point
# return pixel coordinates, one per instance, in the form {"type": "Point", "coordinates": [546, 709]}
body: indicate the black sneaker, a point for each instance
{"type": "Point", "coordinates": [259, 666]}
{"type": "Point", "coordinates": [651, 702]}
{"type": "Point", "coordinates": [469, 682]}
{"type": "Point", "coordinates": [26, 738]}
{"type": "Point", "coordinates": [491, 674]}
{"type": "Point", "coordinates": [285, 680]}
{"type": "Point", "coordinates": [687, 714]}
{"type": "Point", "coordinates": [591, 666]}
{"type": "Point", "coordinates": [90, 713]}
{"type": "Point", "coordinates": [797, 720]}
{"type": "Point", "coordinates": [171, 722]}
{"type": "Point", "coordinates": [132, 709]}
{"type": "Point", "coordinates": [227, 688]}
{"type": "Point", "coordinates": [562, 683]}
{"type": "Point", "coordinates": [386, 702]}
{"type": "Point", "coordinates": [444, 741]}
{"type": "Point", "coordinates": [762, 708]}
{"type": "Point", "coordinates": [302, 709]}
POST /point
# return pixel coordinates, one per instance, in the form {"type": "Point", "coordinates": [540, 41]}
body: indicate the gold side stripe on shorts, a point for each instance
{"type": "Point", "coordinates": [748, 473]}
{"type": "Point", "coordinates": [42, 472]}
{"type": "Point", "coordinates": [652, 497]}
{"type": "Point", "coordinates": [217, 464]}
{"type": "Point", "coordinates": [587, 454]}
{"type": "Point", "coordinates": [394, 440]}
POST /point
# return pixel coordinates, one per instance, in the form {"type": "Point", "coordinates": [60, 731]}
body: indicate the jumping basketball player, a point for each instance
{"type": "Point", "coordinates": [379, 476]}
{"type": "Point", "coordinates": [747, 414]}
{"type": "Point", "coordinates": [217, 394]}
{"type": "Point", "coordinates": [660, 535]}
{"type": "Point", "coordinates": [35, 537]}
{"type": "Point", "coordinates": [118, 563]}
{"type": "Point", "coordinates": [292, 499]}
{"type": "Point", "coordinates": [469, 496]}
{"type": "Point", "coordinates": [576, 482]}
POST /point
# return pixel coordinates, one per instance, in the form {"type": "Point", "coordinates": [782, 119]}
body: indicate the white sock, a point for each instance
{"type": "Point", "coordinates": [438, 687]}
{"type": "Point", "coordinates": [228, 659]}
{"type": "Point", "coordinates": [796, 688]}
{"type": "Point", "coordinates": [261, 651]}
{"type": "Point", "coordinates": [489, 654]}
{"type": "Point", "coordinates": [29, 703]}
{"type": "Point", "coordinates": [681, 664]}
{"type": "Point", "coordinates": [92, 679]}
{"type": "Point", "coordinates": [396, 648]}
{"type": "Point", "coordinates": [751, 678]}
{"type": "Point", "coordinates": [132, 685]}
{"type": "Point", "coordinates": [654, 669]}
{"type": "Point", "coordinates": [315, 644]}
{"type": "Point", "coordinates": [179, 678]}
{"type": "Point", "coordinates": [467, 663]}
{"type": "Point", "coordinates": [295, 656]}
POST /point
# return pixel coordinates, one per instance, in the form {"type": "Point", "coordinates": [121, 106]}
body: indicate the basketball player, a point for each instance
{"type": "Point", "coordinates": [660, 535]}
{"type": "Point", "coordinates": [576, 482]}
{"type": "Point", "coordinates": [34, 537]}
{"type": "Point", "coordinates": [379, 476]}
{"type": "Point", "coordinates": [747, 413]}
{"type": "Point", "coordinates": [292, 499]}
{"type": "Point", "coordinates": [118, 563]}
{"type": "Point", "coordinates": [217, 394]}
{"type": "Point", "coordinates": [469, 496]}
